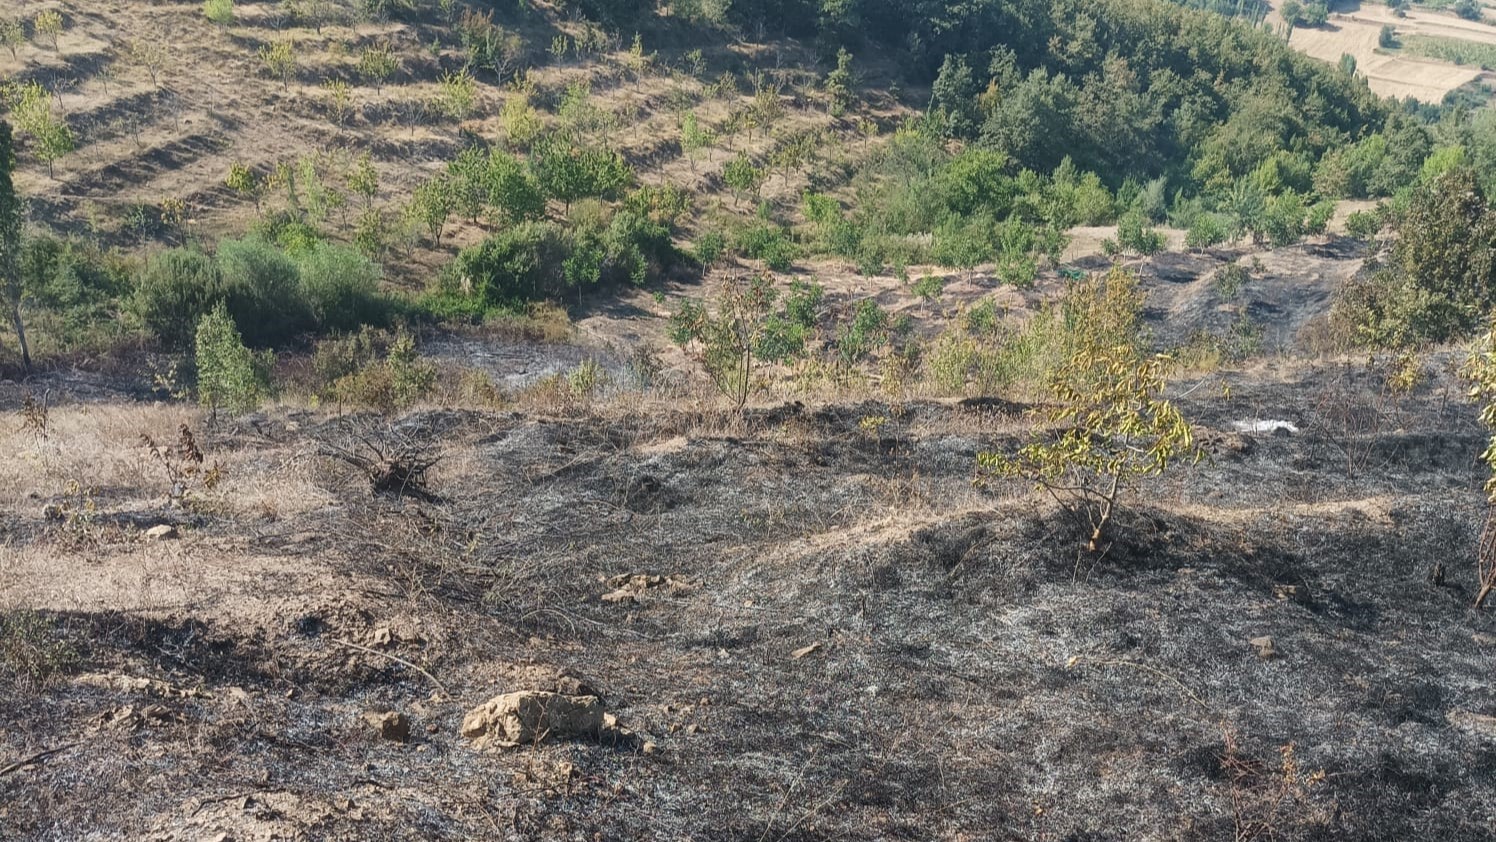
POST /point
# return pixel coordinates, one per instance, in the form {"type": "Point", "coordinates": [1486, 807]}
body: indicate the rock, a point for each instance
{"type": "Point", "coordinates": [524, 717]}
{"type": "Point", "coordinates": [805, 650]}
{"type": "Point", "coordinates": [1265, 648]}
{"type": "Point", "coordinates": [649, 747]}
{"type": "Point", "coordinates": [53, 512]}
{"type": "Point", "coordinates": [1475, 724]}
{"type": "Point", "coordinates": [389, 725]}
{"type": "Point", "coordinates": [161, 532]}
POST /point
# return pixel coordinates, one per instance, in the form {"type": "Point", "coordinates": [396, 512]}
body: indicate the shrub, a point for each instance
{"type": "Point", "coordinates": [341, 287]}
{"type": "Point", "coordinates": [31, 650]}
{"type": "Point", "coordinates": [767, 242]}
{"type": "Point", "coordinates": [174, 290]}
{"type": "Point", "coordinates": [229, 375]}
{"type": "Point", "coordinates": [518, 264]}
{"type": "Point", "coordinates": [1207, 231]}
{"type": "Point", "coordinates": [1363, 225]}
{"type": "Point", "coordinates": [710, 246]}
{"type": "Point", "coordinates": [262, 289]}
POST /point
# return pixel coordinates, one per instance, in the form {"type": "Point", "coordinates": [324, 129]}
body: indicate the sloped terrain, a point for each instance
{"type": "Point", "coordinates": [847, 639]}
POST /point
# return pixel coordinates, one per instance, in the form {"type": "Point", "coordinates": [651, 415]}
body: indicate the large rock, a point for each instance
{"type": "Point", "coordinates": [525, 717]}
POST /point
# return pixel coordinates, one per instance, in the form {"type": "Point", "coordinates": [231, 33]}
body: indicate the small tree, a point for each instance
{"type": "Point", "coordinates": [928, 289]}
{"type": "Point", "coordinates": [339, 100]}
{"type": "Point", "coordinates": [12, 36]}
{"type": "Point", "coordinates": [280, 60]}
{"type": "Point", "coordinates": [49, 25]}
{"type": "Point", "coordinates": [431, 206]}
{"type": "Point", "coordinates": [229, 375]}
{"type": "Point", "coordinates": [693, 138]}
{"type": "Point", "coordinates": [11, 213]}
{"type": "Point", "coordinates": [150, 56]}
{"type": "Point", "coordinates": [377, 64]}
{"type": "Point", "coordinates": [839, 84]}
{"type": "Point", "coordinates": [363, 179]}
{"type": "Point", "coordinates": [1480, 372]}
{"type": "Point", "coordinates": [219, 12]}
{"type": "Point", "coordinates": [743, 176]}
{"type": "Point", "coordinates": [459, 94]}
{"type": "Point", "coordinates": [728, 339]}
{"type": "Point", "coordinates": [1115, 427]}
{"type": "Point", "coordinates": [243, 180]}
{"type": "Point", "coordinates": [1387, 38]}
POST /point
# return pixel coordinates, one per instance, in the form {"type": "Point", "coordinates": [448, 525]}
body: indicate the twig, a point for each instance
{"type": "Point", "coordinates": [397, 659]}
{"type": "Point", "coordinates": [27, 761]}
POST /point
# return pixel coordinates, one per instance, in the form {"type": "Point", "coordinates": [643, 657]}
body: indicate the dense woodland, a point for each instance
{"type": "Point", "coordinates": [1032, 118]}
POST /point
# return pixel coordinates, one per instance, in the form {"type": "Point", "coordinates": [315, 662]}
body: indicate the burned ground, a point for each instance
{"type": "Point", "coordinates": [848, 639]}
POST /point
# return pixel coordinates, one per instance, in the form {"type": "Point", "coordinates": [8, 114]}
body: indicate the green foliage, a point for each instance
{"type": "Point", "coordinates": [219, 12]}
{"type": "Point", "coordinates": [12, 217]}
{"type": "Point", "coordinates": [929, 288]}
{"type": "Point", "coordinates": [1207, 231]}
{"type": "Point", "coordinates": [32, 650]}
{"type": "Point", "coordinates": [867, 330]}
{"type": "Point", "coordinates": [767, 242]}
{"type": "Point", "coordinates": [743, 176]}
{"type": "Point", "coordinates": [1441, 281]}
{"type": "Point", "coordinates": [743, 332]}
{"type": "Point", "coordinates": [173, 291]}
{"type": "Point", "coordinates": [1363, 225]}
{"type": "Point", "coordinates": [341, 287]}
{"type": "Point", "coordinates": [377, 63]}
{"type": "Point", "coordinates": [1134, 236]}
{"type": "Point", "coordinates": [710, 247]}
{"type": "Point", "coordinates": [1114, 426]}
{"type": "Point", "coordinates": [1387, 38]}
{"type": "Point", "coordinates": [568, 172]}
{"type": "Point", "coordinates": [279, 60]}
{"type": "Point", "coordinates": [839, 84]}
{"type": "Point", "coordinates": [458, 94]}
{"type": "Point", "coordinates": [262, 290]}
{"type": "Point", "coordinates": [229, 375]}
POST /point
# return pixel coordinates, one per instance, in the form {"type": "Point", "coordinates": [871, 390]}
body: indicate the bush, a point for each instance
{"type": "Point", "coordinates": [518, 264]}
{"type": "Point", "coordinates": [767, 242]}
{"type": "Point", "coordinates": [229, 375]}
{"type": "Point", "coordinates": [341, 288]}
{"type": "Point", "coordinates": [1207, 231]}
{"type": "Point", "coordinates": [262, 289]}
{"type": "Point", "coordinates": [174, 290]}
{"type": "Point", "coordinates": [1363, 225]}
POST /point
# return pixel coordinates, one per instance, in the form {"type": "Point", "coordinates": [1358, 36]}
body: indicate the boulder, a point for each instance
{"type": "Point", "coordinates": [161, 532]}
{"type": "Point", "coordinates": [527, 716]}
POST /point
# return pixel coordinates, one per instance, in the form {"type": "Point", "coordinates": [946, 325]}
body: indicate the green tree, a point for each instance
{"type": "Point", "coordinates": [431, 205]}
{"type": "Point", "coordinates": [11, 218]}
{"type": "Point", "coordinates": [12, 36]}
{"type": "Point", "coordinates": [839, 84]}
{"type": "Point", "coordinates": [693, 138]}
{"type": "Point", "coordinates": [363, 179]}
{"type": "Point", "coordinates": [743, 176]}
{"type": "Point", "coordinates": [377, 64]}
{"type": "Point", "coordinates": [459, 94]}
{"type": "Point", "coordinates": [49, 24]}
{"type": "Point", "coordinates": [229, 375]}
{"type": "Point", "coordinates": [726, 341]}
{"type": "Point", "coordinates": [568, 172]}
{"type": "Point", "coordinates": [1114, 427]}
{"type": "Point", "coordinates": [280, 60]}
{"type": "Point", "coordinates": [514, 194]}
{"type": "Point", "coordinates": [174, 290]}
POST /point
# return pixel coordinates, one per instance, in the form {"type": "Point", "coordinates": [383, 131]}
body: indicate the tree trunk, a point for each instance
{"type": "Point", "coordinates": [15, 317]}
